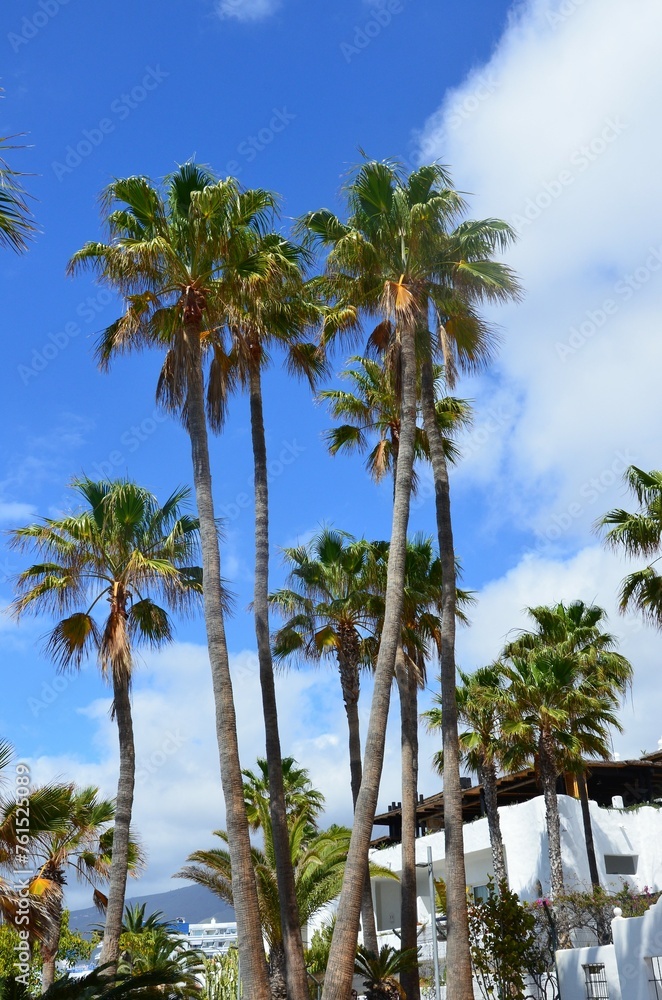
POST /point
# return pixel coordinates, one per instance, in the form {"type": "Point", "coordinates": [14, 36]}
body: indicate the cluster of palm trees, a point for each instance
{"type": "Point", "coordinates": [549, 701]}
{"type": "Point", "coordinates": [205, 276]}
{"type": "Point", "coordinates": [70, 830]}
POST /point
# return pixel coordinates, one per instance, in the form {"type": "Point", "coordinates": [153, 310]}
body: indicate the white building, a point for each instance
{"type": "Point", "coordinates": [210, 937]}
{"type": "Point", "coordinates": [626, 820]}
{"type": "Point", "coordinates": [628, 969]}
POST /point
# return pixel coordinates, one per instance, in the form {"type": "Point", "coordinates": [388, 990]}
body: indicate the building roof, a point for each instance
{"type": "Point", "coordinates": [635, 781]}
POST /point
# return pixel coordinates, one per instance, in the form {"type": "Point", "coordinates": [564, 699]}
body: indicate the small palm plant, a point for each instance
{"type": "Point", "coordinates": [380, 971]}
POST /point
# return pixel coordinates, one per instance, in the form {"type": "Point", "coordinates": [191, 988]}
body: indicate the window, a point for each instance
{"type": "Point", "coordinates": [655, 978]}
{"type": "Point", "coordinates": [621, 864]}
{"type": "Point", "coordinates": [480, 893]}
{"type": "Point", "coordinates": [596, 982]}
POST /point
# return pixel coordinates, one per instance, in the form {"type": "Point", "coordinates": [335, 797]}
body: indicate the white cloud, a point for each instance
{"type": "Point", "coordinates": [592, 575]}
{"type": "Point", "coordinates": [247, 10]}
{"type": "Point", "coordinates": [558, 134]}
{"type": "Point", "coordinates": [14, 512]}
{"type": "Point", "coordinates": [178, 798]}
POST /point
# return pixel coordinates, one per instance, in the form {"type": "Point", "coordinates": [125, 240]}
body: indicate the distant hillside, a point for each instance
{"type": "Point", "coordinates": [194, 903]}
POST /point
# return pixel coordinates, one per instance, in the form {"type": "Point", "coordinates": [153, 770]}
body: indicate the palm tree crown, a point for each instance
{"type": "Point", "coordinates": [639, 534]}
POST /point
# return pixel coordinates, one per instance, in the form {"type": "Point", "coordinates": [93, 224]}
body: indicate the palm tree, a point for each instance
{"type": "Point", "coordinates": [300, 796]}
{"type": "Point", "coordinates": [373, 410]}
{"type": "Point", "coordinates": [400, 247]}
{"type": "Point", "coordinates": [479, 701]}
{"type": "Point", "coordinates": [127, 551]}
{"type": "Point", "coordinates": [318, 860]}
{"type": "Point", "coordinates": [279, 315]}
{"type": "Point", "coordinates": [16, 224]}
{"type": "Point", "coordinates": [81, 842]}
{"type": "Point", "coordinates": [639, 534]}
{"type": "Point", "coordinates": [578, 630]}
{"type": "Point", "coordinates": [380, 970]}
{"type": "Point", "coordinates": [179, 255]}
{"type": "Point", "coordinates": [565, 683]}
{"type": "Point", "coordinates": [372, 269]}
{"type": "Point", "coordinates": [162, 984]}
{"type": "Point", "coordinates": [420, 640]}
{"type": "Point", "coordinates": [328, 611]}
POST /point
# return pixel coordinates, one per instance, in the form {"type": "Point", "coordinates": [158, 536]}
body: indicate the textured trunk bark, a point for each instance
{"type": "Point", "coordinates": [350, 683]}
{"type": "Point", "coordinates": [121, 831]}
{"type": "Point", "coordinates": [277, 973]}
{"type": "Point", "coordinates": [249, 931]}
{"type": "Point", "coordinates": [408, 689]}
{"type": "Point", "coordinates": [488, 777]}
{"type": "Point", "coordinates": [338, 980]}
{"type": "Point", "coordinates": [295, 967]}
{"type": "Point", "coordinates": [458, 958]}
{"type": "Point", "coordinates": [548, 777]}
{"type": "Point", "coordinates": [50, 947]}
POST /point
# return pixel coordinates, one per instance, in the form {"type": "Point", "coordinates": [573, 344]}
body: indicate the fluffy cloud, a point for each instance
{"type": "Point", "coordinates": [247, 10]}
{"type": "Point", "coordinates": [558, 134]}
{"type": "Point", "coordinates": [178, 798]}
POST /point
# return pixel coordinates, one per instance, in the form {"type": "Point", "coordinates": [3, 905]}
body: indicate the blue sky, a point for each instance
{"type": "Point", "coordinates": [539, 122]}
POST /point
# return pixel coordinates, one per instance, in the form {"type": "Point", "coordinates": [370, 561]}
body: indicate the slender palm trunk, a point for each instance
{"type": "Point", "coordinates": [244, 893]}
{"type": "Point", "coordinates": [548, 779]}
{"type": "Point", "coordinates": [121, 831]}
{"type": "Point", "coordinates": [289, 911]}
{"type": "Point", "coordinates": [338, 980]}
{"type": "Point", "coordinates": [458, 958]}
{"type": "Point", "coordinates": [408, 689]}
{"type": "Point", "coordinates": [588, 830]}
{"type": "Point", "coordinates": [350, 684]}
{"type": "Point", "coordinates": [50, 946]}
{"type": "Point", "coordinates": [488, 776]}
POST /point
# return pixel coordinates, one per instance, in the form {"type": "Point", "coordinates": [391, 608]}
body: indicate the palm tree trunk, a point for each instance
{"type": "Point", "coordinates": [548, 779]}
{"type": "Point", "coordinates": [338, 980]}
{"type": "Point", "coordinates": [350, 684]}
{"type": "Point", "coordinates": [244, 893]}
{"type": "Point", "coordinates": [458, 958]}
{"type": "Point", "coordinates": [588, 830]}
{"type": "Point", "coordinates": [488, 777]}
{"type": "Point", "coordinates": [289, 911]}
{"type": "Point", "coordinates": [277, 972]}
{"type": "Point", "coordinates": [408, 688]}
{"type": "Point", "coordinates": [121, 831]}
{"type": "Point", "coordinates": [50, 946]}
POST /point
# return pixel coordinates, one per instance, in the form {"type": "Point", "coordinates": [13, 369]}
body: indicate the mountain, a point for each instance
{"type": "Point", "coordinates": [194, 903]}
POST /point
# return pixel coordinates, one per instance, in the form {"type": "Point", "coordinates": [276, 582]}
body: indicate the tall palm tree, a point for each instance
{"type": "Point", "coordinates": [273, 312]}
{"type": "Point", "coordinates": [420, 641]}
{"type": "Point", "coordinates": [318, 860]}
{"type": "Point", "coordinates": [479, 704]}
{"type": "Point", "coordinates": [374, 409]}
{"type": "Point", "coordinates": [126, 551]}
{"type": "Point", "coordinates": [639, 534]}
{"type": "Point", "coordinates": [16, 223]}
{"type": "Point", "coordinates": [80, 842]}
{"type": "Point", "coordinates": [330, 611]}
{"type": "Point", "coordinates": [577, 630]}
{"type": "Point", "coordinates": [403, 238]}
{"type": "Point", "coordinates": [372, 269]}
{"type": "Point", "coordinates": [181, 256]}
